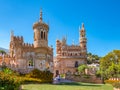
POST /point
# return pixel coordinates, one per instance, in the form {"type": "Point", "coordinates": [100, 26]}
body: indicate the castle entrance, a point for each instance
{"type": "Point", "coordinates": [57, 72]}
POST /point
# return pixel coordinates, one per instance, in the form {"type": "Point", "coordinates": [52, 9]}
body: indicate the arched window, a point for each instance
{"type": "Point", "coordinates": [41, 34]}
{"type": "Point", "coordinates": [44, 35]}
{"type": "Point", "coordinates": [76, 63]}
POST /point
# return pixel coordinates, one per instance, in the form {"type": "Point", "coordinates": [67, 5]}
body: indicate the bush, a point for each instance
{"type": "Point", "coordinates": [62, 75]}
{"type": "Point", "coordinates": [9, 81]}
{"type": "Point", "coordinates": [86, 76]}
{"type": "Point", "coordinates": [31, 80]}
{"type": "Point", "coordinates": [7, 71]}
{"type": "Point", "coordinates": [44, 76]}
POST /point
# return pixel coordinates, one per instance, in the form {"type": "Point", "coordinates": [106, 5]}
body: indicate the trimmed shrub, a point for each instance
{"type": "Point", "coordinates": [44, 76]}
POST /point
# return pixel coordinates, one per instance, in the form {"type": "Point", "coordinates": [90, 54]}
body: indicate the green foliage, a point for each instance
{"type": "Point", "coordinates": [31, 80]}
{"type": "Point", "coordinates": [62, 75]}
{"type": "Point", "coordinates": [45, 76]}
{"type": "Point", "coordinates": [98, 73]}
{"type": "Point", "coordinates": [7, 71]}
{"type": "Point", "coordinates": [110, 64]}
{"type": "Point", "coordinates": [2, 52]}
{"type": "Point", "coordinates": [113, 70]}
{"type": "Point", "coordinates": [116, 84]}
{"type": "Point", "coordinates": [81, 69]}
{"type": "Point", "coordinates": [9, 81]}
{"type": "Point", "coordinates": [91, 58]}
{"type": "Point", "coordinates": [86, 76]}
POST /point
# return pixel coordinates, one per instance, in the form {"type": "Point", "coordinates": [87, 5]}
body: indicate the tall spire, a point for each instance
{"type": "Point", "coordinates": [82, 25]}
{"type": "Point", "coordinates": [11, 35]}
{"type": "Point", "coordinates": [41, 15]}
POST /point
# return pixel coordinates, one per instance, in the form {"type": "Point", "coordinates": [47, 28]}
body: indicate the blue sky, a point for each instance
{"type": "Point", "coordinates": [101, 19]}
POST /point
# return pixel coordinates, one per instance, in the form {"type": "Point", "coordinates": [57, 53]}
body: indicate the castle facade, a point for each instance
{"type": "Point", "coordinates": [69, 57]}
{"type": "Point", "coordinates": [24, 57]}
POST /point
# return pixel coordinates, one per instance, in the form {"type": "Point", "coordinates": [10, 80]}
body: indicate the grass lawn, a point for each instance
{"type": "Point", "coordinates": [68, 86]}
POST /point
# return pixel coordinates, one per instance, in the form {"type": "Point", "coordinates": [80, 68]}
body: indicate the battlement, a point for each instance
{"type": "Point", "coordinates": [27, 45]}
{"type": "Point", "coordinates": [18, 38]}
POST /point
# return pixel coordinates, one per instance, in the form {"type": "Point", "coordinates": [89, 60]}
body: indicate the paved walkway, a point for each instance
{"type": "Point", "coordinates": [61, 81]}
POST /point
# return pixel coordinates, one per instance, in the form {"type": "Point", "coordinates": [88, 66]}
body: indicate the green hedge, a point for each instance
{"type": "Point", "coordinates": [44, 76]}
{"type": "Point", "coordinates": [12, 81]}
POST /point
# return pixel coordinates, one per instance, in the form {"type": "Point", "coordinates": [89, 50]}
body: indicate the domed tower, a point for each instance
{"type": "Point", "coordinates": [43, 53]}
{"type": "Point", "coordinates": [40, 33]}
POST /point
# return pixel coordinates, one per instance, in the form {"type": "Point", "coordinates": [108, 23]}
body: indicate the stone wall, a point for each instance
{"type": "Point", "coordinates": [86, 79]}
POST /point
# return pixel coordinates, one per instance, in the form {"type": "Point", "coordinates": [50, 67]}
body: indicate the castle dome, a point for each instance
{"type": "Point", "coordinates": [40, 23]}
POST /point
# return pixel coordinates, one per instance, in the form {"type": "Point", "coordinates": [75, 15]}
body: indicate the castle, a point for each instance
{"type": "Point", "coordinates": [69, 57]}
{"type": "Point", "coordinates": [24, 57]}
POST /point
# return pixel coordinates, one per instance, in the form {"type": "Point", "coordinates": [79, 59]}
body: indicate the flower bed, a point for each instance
{"type": "Point", "coordinates": [115, 83]}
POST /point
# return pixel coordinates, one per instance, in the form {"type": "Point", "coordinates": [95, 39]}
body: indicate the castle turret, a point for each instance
{"type": "Point", "coordinates": [83, 39]}
{"type": "Point", "coordinates": [64, 41]}
{"type": "Point", "coordinates": [58, 47]}
{"type": "Point", "coordinates": [40, 33]}
{"type": "Point", "coordinates": [11, 47]}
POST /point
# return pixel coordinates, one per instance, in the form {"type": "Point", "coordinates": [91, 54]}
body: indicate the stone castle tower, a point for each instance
{"type": "Point", "coordinates": [69, 57]}
{"type": "Point", "coordinates": [24, 57]}
{"type": "Point", "coordinates": [40, 33]}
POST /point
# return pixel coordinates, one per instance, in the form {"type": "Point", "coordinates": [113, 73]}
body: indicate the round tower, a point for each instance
{"type": "Point", "coordinates": [40, 33]}
{"type": "Point", "coordinates": [83, 39]}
